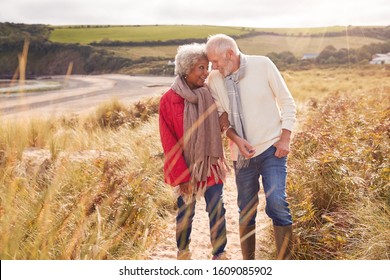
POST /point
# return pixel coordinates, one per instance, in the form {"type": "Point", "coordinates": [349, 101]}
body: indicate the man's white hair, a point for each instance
{"type": "Point", "coordinates": [187, 56]}
{"type": "Point", "coordinates": [220, 43]}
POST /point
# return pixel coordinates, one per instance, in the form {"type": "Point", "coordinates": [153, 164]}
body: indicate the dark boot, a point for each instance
{"type": "Point", "coordinates": [283, 239]}
{"type": "Point", "coordinates": [248, 241]}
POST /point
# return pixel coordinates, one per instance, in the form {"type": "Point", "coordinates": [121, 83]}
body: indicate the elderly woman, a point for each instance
{"type": "Point", "coordinates": [191, 138]}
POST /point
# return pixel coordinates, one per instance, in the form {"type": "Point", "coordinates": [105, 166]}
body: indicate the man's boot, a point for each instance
{"type": "Point", "coordinates": [248, 241]}
{"type": "Point", "coordinates": [184, 255]}
{"type": "Point", "coordinates": [283, 239]}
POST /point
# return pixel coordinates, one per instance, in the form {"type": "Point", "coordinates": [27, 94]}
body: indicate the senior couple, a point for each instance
{"type": "Point", "coordinates": [245, 98]}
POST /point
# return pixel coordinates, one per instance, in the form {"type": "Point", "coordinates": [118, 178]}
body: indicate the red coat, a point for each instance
{"type": "Point", "coordinates": [171, 132]}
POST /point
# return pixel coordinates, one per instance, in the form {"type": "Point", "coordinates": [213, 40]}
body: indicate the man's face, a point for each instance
{"type": "Point", "coordinates": [221, 62]}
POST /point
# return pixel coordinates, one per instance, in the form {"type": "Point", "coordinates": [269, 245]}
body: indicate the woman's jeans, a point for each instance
{"type": "Point", "coordinates": [216, 211]}
{"type": "Point", "coordinates": [273, 171]}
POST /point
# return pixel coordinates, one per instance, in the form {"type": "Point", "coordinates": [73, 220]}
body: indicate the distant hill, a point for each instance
{"type": "Point", "coordinates": [50, 58]}
{"type": "Point", "coordinates": [147, 49]}
{"type": "Point", "coordinates": [86, 34]}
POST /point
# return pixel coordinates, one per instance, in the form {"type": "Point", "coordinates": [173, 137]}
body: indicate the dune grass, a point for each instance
{"type": "Point", "coordinates": [265, 44]}
{"type": "Point", "coordinates": [339, 171]}
{"type": "Point", "coordinates": [91, 187]}
{"type": "Point", "coordinates": [316, 84]}
{"type": "Point", "coordinates": [81, 188]}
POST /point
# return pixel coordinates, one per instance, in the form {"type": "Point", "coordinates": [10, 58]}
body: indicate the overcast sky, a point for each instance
{"type": "Point", "coordinates": [246, 13]}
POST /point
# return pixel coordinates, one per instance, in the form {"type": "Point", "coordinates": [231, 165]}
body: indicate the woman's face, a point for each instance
{"type": "Point", "coordinates": [198, 74]}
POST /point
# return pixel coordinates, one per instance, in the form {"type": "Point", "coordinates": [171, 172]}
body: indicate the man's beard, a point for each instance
{"type": "Point", "coordinates": [228, 69]}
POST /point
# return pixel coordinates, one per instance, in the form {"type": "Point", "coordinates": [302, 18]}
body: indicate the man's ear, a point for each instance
{"type": "Point", "coordinates": [229, 53]}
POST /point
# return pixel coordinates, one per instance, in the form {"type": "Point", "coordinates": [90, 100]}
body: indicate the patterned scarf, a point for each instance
{"type": "Point", "coordinates": [236, 117]}
{"type": "Point", "coordinates": [203, 149]}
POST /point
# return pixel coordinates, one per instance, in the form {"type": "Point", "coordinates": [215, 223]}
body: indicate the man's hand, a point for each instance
{"type": "Point", "coordinates": [283, 145]}
{"type": "Point", "coordinates": [246, 149]}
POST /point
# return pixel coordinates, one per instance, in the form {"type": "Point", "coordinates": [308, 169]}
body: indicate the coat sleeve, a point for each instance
{"type": "Point", "coordinates": [175, 167]}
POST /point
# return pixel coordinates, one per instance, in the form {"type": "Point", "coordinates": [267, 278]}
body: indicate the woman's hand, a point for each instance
{"type": "Point", "coordinates": [224, 121]}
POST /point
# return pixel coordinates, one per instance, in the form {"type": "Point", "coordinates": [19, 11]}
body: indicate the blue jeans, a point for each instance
{"type": "Point", "coordinates": [216, 211]}
{"type": "Point", "coordinates": [273, 171]}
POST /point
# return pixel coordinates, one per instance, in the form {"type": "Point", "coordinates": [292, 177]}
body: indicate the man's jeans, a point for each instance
{"type": "Point", "coordinates": [216, 211]}
{"type": "Point", "coordinates": [273, 171]}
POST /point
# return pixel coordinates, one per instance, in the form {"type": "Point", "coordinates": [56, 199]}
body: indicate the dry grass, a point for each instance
{"type": "Point", "coordinates": [80, 188]}
{"type": "Point", "coordinates": [339, 175]}
{"type": "Point", "coordinates": [265, 44]}
{"type": "Point", "coordinates": [91, 187]}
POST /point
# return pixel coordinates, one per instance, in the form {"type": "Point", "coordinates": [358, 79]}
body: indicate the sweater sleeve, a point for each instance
{"type": "Point", "coordinates": [218, 91]}
{"type": "Point", "coordinates": [175, 167]}
{"type": "Point", "coordinates": [283, 96]}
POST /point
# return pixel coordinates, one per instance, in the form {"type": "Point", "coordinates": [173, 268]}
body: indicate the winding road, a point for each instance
{"type": "Point", "coordinates": [80, 94]}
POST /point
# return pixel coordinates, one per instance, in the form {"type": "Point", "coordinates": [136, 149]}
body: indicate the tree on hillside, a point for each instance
{"type": "Point", "coordinates": [327, 55]}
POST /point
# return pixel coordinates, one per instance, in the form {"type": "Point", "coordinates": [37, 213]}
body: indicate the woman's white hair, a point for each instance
{"type": "Point", "coordinates": [220, 43]}
{"type": "Point", "coordinates": [187, 56]}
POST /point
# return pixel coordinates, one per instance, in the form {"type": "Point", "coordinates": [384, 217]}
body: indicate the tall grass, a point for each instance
{"type": "Point", "coordinates": [265, 44]}
{"type": "Point", "coordinates": [91, 187]}
{"type": "Point", "coordinates": [81, 188]}
{"type": "Point", "coordinates": [340, 177]}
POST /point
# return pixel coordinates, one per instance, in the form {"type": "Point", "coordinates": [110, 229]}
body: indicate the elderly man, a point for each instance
{"type": "Point", "coordinates": [261, 114]}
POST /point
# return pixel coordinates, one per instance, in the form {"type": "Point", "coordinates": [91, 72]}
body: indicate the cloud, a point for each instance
{"type": "Point", "coordinates": [250, 13]}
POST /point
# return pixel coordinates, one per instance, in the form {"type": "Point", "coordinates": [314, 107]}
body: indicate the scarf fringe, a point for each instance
{"type": "Point", "coordinates": [242, 162]}
{"type": "Point", "coordinates": [218, 170]}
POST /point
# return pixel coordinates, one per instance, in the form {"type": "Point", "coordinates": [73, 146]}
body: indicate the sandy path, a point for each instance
{"type": "Point", "coordinates": [200, 243]}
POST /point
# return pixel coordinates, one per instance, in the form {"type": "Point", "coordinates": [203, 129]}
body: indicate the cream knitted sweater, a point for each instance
{"type": "Point", "coordinates": [268, 106]}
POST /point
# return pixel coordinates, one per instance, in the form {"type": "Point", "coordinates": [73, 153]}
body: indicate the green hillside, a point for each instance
{"type": "Point", "coordinates": [86, 35]}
